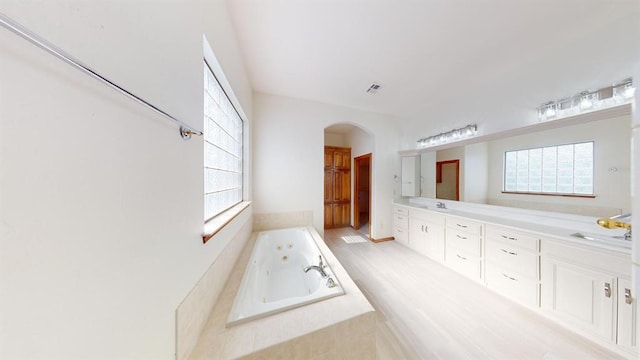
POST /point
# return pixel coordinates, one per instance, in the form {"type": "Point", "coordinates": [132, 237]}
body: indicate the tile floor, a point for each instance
{"type": "Point", "coordinates": [427, 311]}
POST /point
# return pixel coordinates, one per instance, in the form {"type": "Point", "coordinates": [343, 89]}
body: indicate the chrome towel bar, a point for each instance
{"type": "Point", "coordinates": [185, 130]}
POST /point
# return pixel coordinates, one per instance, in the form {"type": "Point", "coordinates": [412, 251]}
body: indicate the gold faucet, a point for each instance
{"type": "Point", "coordinates": [615, 223]}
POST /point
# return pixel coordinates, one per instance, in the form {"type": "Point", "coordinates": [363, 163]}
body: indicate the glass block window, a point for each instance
{"type": "Point", "coordinates": [222, 149]}
{"type": "Point", "coordinates": [562, 170]}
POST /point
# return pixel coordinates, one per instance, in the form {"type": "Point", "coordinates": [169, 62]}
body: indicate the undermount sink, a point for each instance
{"type": "Point", "coordinates": [594, 237]}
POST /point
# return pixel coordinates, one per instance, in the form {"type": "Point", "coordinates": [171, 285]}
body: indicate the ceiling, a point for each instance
{"type": "Point", "coordinates": [428, 53]}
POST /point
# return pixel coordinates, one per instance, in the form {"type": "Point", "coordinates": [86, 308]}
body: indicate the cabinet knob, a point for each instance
{"type": "Point", "coordinates": [627, 296]}
{"type": "Point", "coordinates": [607, 290]}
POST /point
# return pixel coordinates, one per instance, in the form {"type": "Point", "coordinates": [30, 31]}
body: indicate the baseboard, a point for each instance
{"type": "Point", "coordinates": [382, 239]}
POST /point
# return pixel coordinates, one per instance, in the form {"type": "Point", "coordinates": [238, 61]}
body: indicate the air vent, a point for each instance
{"type": "Point", "coordinates": [373, 89]}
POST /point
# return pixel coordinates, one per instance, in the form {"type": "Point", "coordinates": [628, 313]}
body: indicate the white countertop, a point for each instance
{"type": "Point", "coordinates": [550, 224]}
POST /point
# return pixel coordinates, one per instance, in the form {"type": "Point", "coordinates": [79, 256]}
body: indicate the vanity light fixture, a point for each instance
{"type": "Point", "coordinates": [449, 136]}
{"type": "Point", "coordinates": [589, 100]}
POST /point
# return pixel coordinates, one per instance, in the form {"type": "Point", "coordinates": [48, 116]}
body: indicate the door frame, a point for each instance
{"type": "Point", "coordinates": [439, 175]}
{"type": "Point", "coordinates": [356, 199]}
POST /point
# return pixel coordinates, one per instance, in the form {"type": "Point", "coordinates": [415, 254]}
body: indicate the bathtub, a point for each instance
{"type": "Point", "coordinates": [274, 279]}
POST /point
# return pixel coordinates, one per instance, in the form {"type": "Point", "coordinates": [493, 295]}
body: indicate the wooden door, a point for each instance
{"type": "Point", "coordinates": [337, 187]}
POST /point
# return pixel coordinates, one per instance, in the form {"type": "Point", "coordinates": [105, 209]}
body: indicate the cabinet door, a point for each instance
{"type": "Point", "coordinates": [417, 236]}
{"type": "Point", "coordinates": [627, 307]}
{"type": "Point", "coordinates": [410, 176]}
{"type": "Point", "coordinates": [328, 216]}
{"type": "Point", "coordinates": [328, 158]}
{"type": "Point", "coordinates": [342, 159]}
{"type": "Point", "coordinates": [328, 185]}
{"type": "Point", "coordinates": [342, 186]}
{"type": "Point", "coordinates": [341, 215]}
{"type": "Point", "coordinates": [434, 241]}
{"type": "Point", "coordinates": [579, 296]}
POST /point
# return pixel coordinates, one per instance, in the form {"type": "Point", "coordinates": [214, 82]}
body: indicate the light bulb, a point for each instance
{"type": "Point", "coordinates": [551, 112]}
{"type": "Point", "coordinates": [629, 92]}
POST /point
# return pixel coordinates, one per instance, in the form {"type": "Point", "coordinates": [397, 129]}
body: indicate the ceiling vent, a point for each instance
{"type": "Point", "coordinates": [373, 89]}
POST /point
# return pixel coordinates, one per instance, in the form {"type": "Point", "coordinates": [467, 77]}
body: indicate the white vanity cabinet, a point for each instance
{"type": "Point", "coordinates": [511, 264]}
{"type": "Point", "coordinates": [463, 246]}
{"type": "Point", "coordinates": [580, 286]}
{"type": "Point", "coordinates": [401, 224]}
{"type": "Point", "coordinates": [426, 233]}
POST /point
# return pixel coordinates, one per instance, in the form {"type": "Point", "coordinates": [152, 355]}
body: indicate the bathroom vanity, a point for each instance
{"type": "Point", "coordinates": [535, 259]}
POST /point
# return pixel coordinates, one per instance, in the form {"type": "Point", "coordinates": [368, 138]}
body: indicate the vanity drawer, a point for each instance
{"type": "Point", "coordinates": [401, 221]}
{"type": "Point", "coordinates": [512, 257]}
{"type": "Point", "coordinates": [520, 288]}
{"type": "Point", "coordinates": [401, 235]}
{"type": "Point", "coordinates": [463, 263]}
{"type": "Point", "coordinates": [429, 216]}
{"type": "Point", "coordinates": [466, 225]}
{"type": "Point", "coordinates": [526, 241]}
{"type": "Point", "coordinates": [464, 241]}
{"type": "Point", "coordinates": [398, 210]}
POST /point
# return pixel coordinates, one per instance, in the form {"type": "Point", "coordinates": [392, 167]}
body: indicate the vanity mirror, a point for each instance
{"type": "Point", "coordinates": [480, 166]}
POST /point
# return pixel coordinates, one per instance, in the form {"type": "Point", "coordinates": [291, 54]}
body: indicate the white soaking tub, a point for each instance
{"type": "Point", "coordinates": [275, 280]}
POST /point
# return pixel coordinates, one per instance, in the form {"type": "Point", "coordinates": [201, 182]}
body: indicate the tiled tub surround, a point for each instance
{"type": "Point", "coordinates": [192, 314]}
{"type": "Point", "coordinates": [339, 327]}
{"type": "Point", "coordinates": [282, 220]}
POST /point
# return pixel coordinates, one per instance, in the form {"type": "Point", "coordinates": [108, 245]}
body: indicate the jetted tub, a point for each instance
{"type": "Point", "coordinates": [275, 280]}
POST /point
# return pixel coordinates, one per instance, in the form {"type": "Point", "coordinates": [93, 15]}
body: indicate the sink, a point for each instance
{"type": "Point", "coordinates": [602, 238]}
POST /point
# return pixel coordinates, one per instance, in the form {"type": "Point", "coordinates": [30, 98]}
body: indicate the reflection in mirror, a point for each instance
{"type": "Point", "coordinates": [481, 169]}
{"type": "Point", "coordinates": [448, 180]}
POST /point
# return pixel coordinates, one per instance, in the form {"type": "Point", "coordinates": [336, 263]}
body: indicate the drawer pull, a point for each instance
{"type": "Point", "coordinates": [607, 290]}
{"type": "Point", "coordinates": [400, 218]}
{"type": "Point", "coordinates": [462, 226]}
{"type": "Point", "coordinates": [461, 237]}
{"type": "Point", "coordinates": [461, 257]}
{"type": "Point", "coordinates": [627, 296]}
{"type": "Point", "coordinates": [509, 238]}
{"type": "Point", "coordinates": [509, 252]}
{"type": "Point", "coordinates": [399, 230]}
{"type": "Point", "coordinates": [509, 277]}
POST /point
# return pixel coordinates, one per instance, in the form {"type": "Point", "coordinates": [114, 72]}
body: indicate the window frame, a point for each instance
{"type": "Point", "coordinates": [547, 193]}
{"type": "Point", "coordinates": [216, 223]}
{"type": "Point", "coordinates": [241, 139]}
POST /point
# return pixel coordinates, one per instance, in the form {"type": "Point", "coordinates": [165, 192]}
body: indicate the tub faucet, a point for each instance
{"type": "Point", "coordinates": [616, 222]}
{"type": "Point", "coordinates": [441, 205]}
{"type": "Point", "coordinates": [319, 268]}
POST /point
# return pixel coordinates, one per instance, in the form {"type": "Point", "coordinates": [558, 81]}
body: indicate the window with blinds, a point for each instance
{"type": "Point", "coordinates": [222, 149]}
{"type": "Point", "coordinates": [556, 170]}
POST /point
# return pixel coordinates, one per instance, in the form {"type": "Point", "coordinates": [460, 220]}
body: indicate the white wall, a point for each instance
{"type": "Point", "coordinates": [101, 200]}
{"type": "Point", "coordinates": [288, 153]}
{"type": "Point", "coordinates": [334, 139]}
{"type": "Point", "coordinates": [476, 167]}
{"type": "Point", "coordinates": [612, 150]}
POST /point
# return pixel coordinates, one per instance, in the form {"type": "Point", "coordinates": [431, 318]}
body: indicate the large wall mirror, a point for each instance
{"type": "Point", "coordinates": [480, 177]}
